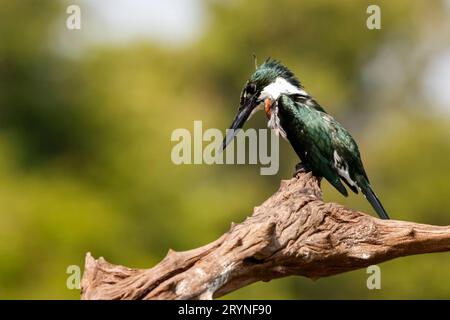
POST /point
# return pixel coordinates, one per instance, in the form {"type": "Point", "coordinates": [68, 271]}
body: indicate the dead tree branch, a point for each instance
{"type": "Point", "coordinates": [292, 233]}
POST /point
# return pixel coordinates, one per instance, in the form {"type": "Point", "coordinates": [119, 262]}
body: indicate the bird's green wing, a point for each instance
{"type": "Point", "coordinates": [307, 100]}
{"type": "Point", "coordinates": [327, 148]}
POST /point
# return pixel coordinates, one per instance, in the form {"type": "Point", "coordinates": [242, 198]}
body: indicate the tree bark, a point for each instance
{"type": "Point", "coordinates": [292, 233]}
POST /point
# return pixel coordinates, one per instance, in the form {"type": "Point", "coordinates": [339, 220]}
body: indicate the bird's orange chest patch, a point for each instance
{"type": "Point", "coordinates": [267, 106]}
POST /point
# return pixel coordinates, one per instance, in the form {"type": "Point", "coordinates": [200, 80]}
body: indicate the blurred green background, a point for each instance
{"type": "Point", "coordinates": [86, 118]}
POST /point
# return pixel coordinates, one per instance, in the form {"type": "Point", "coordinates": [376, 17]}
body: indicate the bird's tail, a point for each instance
{"type": "Point", "coordinates": [371, 197]}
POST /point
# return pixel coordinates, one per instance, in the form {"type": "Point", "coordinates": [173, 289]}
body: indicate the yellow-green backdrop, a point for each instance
{"type": "Point", "coordinates": [85, 130]}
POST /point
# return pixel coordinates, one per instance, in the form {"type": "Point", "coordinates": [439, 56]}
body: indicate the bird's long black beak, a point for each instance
{"type": "Point", "coordinates": [243, 114]}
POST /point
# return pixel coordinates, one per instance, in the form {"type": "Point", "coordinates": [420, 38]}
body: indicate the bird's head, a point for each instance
{"type": "Point", "coordinates": [270, 80]}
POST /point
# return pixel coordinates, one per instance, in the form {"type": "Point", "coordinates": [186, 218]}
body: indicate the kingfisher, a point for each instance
{"type": "Point", "coordinates": [323, 145]}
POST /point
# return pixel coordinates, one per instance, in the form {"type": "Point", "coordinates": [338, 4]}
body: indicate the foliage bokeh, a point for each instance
{"type": "Point", "coordinates": [85, 138]}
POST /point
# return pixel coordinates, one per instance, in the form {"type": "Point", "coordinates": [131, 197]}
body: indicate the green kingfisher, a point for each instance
{"type": "Point", "coordinates": [323, 145]}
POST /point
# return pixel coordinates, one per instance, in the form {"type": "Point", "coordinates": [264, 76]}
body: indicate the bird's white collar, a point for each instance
{"type": "Point", "coordinates": [278, 87]}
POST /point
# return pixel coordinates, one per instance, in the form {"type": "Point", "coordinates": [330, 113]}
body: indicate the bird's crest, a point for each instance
{"type": "Point", "coordinates": [256, 61]}
{"type": "Point", "coordinates": [270, 69]}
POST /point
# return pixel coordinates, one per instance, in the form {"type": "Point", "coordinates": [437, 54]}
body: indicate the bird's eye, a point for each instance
{"type": "Point", "coordinates": [250, 89]}
{"type": "Point", "coordinates": [248, 92]}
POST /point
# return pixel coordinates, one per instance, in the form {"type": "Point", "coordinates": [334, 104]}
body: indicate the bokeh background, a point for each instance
{"type": "Point", "coordinates": [86, 118]}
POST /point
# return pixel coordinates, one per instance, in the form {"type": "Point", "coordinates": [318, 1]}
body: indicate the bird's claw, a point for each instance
{"type": "Point", "coordinates": [300, 168]}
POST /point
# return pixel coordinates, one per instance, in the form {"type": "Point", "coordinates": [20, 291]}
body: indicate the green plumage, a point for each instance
{"type": "Point", "coordinates": [324, 146]}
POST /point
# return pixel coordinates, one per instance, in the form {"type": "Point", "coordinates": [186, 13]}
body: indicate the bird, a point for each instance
{"type": "Point", "coordinates": [323, 145]}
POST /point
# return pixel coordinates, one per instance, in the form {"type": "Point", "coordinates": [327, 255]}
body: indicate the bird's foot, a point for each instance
{"type": "Point", "coordinates": [300, 168]}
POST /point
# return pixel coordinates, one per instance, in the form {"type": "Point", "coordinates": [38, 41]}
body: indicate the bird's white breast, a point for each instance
{"type": "Point", "coordinates": [273, 91]}
{"type": "Point", "coordinates": [274, 123]}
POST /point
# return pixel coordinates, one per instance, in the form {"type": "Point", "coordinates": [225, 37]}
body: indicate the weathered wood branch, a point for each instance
{"type": "Point", "coordinates": [292, 233]}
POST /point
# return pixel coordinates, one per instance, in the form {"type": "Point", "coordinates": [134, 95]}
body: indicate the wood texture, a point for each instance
{"type": "Point", "coordinates": [292, 233]}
